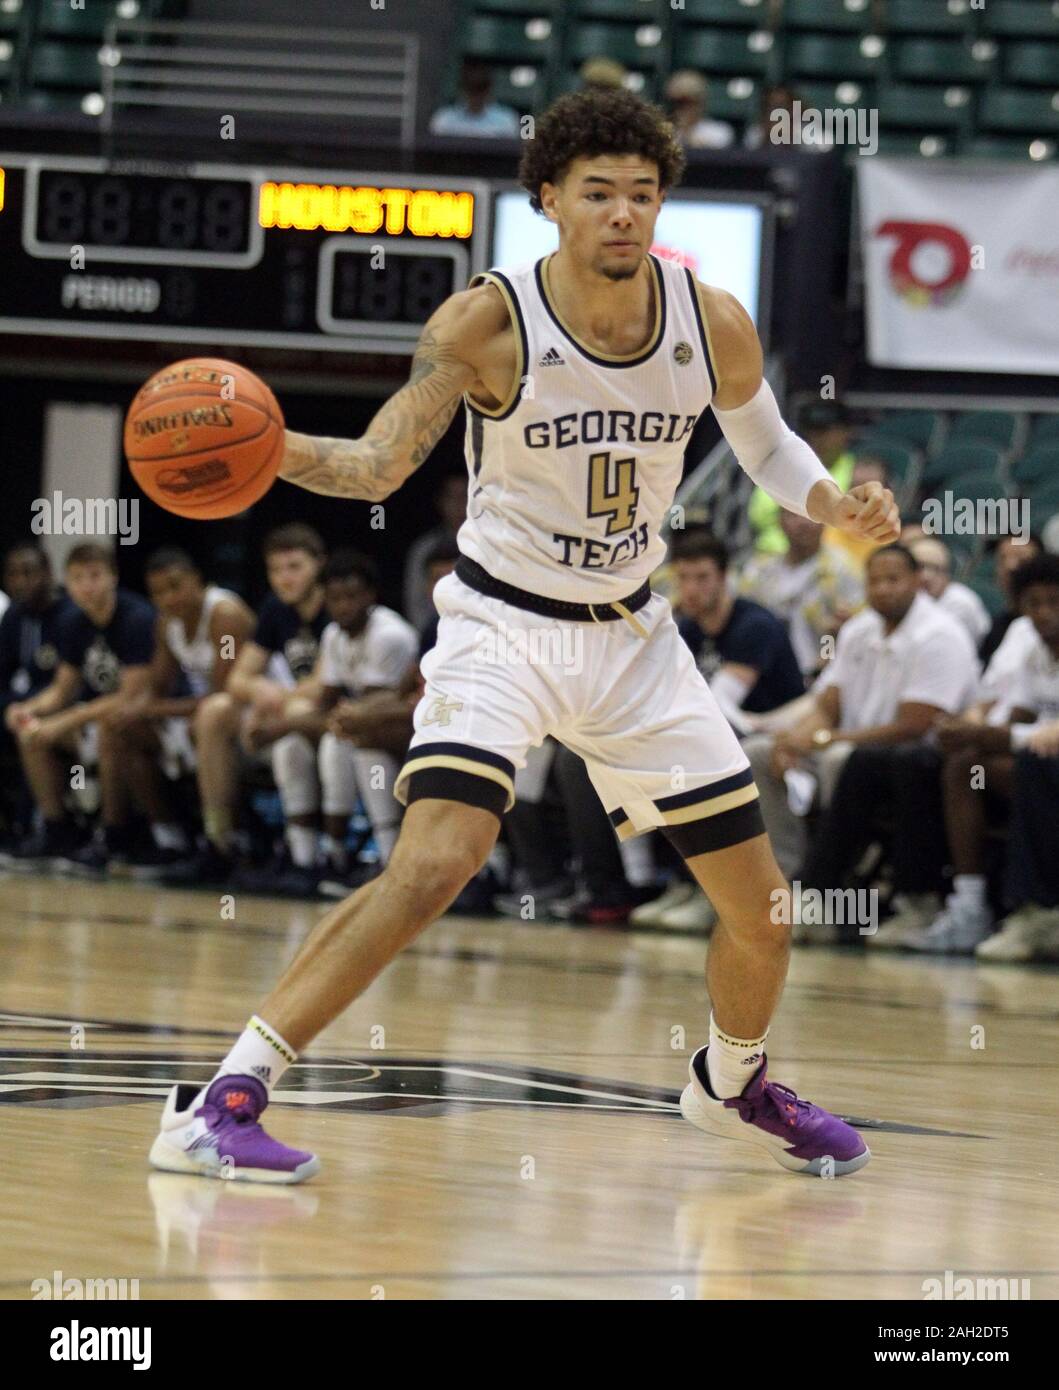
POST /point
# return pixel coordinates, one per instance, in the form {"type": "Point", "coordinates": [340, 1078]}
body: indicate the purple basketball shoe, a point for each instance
{"type": "Point", "coordinates": [797, 1134]}
{"type": "Point", "coordinates": [221, 1138]}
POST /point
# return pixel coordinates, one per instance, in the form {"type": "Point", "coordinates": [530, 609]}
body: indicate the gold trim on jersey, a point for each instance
{"type": "Point", "coordinates": [477, 769]}
{"type": "Point", "coordinates": [643, 352]}
{"type": "Point", "coordinates": [698, 810]}
{"type": "Point", "coordinates": [704, 319]}
{"type": "Point", "coordinates": [498, 411]}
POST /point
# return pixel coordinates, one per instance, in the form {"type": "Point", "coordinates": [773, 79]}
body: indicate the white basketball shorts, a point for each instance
{"type": "Point", "coordinates": [636, 708]}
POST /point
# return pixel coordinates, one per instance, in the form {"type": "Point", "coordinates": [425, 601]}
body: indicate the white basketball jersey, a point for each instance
{"type": "Point", "coordinates": [572, 477]}
{"type": "Point", "coordinates": [196, 654]}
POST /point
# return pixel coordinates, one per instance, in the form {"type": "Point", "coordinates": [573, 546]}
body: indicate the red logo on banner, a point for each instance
{"type": "Point", "coordinates": [910, 237]}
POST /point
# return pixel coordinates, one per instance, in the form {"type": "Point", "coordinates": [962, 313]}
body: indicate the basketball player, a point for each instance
{"type": "Point", "coordinates": [200, 630]}
{"type": "Point", "coordinates": [569, 485]}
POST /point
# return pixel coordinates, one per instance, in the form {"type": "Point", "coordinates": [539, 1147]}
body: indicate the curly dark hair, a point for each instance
{"type": "Point", "coordinates": [593, 122]}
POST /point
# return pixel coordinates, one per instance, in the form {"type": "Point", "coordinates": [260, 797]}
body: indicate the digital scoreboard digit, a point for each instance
{"type": "Point", "coordinates": [351, 262]}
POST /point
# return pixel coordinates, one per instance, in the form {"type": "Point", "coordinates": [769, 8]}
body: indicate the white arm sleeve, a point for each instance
{"type": "Point", "coordinates": [730, 692]}
{"type": "Point", "coordinates": [777, 459]}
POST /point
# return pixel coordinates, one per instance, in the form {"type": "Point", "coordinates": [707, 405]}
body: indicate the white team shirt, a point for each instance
{"type": "Point", "coordinates": [928, 658]}
{"type": "Point", "coordinates": [379, 656]}
{"type": "Point", "coordinates": [572, 477]}
{"type": "Point", "coordinates": [196, 654]}
{"type": "Point", "coordinates": [998, 682]}
{"type": "Point", "coordinates": [1035, 685]}
{"type": "Point", "coordinates": [962, 603]}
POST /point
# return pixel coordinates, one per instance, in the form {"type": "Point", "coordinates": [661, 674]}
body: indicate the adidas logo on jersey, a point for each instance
{"type": "Point", "coordinates": [552, 359]}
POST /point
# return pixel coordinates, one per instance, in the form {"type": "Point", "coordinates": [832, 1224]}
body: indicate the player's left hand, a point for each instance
{"type": "Point", "coordinates": [868, 511]}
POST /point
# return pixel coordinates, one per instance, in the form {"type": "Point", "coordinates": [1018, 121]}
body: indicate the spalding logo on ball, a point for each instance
{"type": "Point", "coordinates": [204, 438]}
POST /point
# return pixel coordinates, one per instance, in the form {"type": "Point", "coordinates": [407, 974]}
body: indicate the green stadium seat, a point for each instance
{"type": "Point", "coordinates": [526, 8]}
{"type": "Point", "coordinates": [641, 11]}
{"type": "Point", "coordinates": [927, 146]}
{"type": "Point", "coordinates": [65, 65]}
{"type": "Point", "coordinates": [1009, 147]}
{"type": "Point", "coordinates": [620, 41]}
{"type": "Point", "coordinates": [11, 13]}
{"type": "Point", "coordinates": [828, 55]}
{"type": "Point", "coordinates": [843, 15]}
{"type": "Point", "coordinates": [1032, 63]}
{"type": "Point", "coordinates": [985, 586]}
{"type": "Point", "coordinates": [929, 108]}
{"type": "Point", "coordinates": [1000, 427]}
{"type": "Point", "coordinates": [901, 460]}
{"type": "Point", "coordinates": [930, 17]}
{"type": "Point", "coordinates": [52, 100]}
{"type": "Point", "coordinates": [495, 38]}
{"type": "Point", "coordinates": [58, 20]}
{"type": "Point", "coordinates": [1015, 108]}
{"type": "Point", "coordinates": [524, 87]}
{"type": "Point", "coordinates": [1044, 502]}
{"type": "Point", "coordinates": [963, 460]}
{"type": "Point", "coordinates": [1045, 430]}
{"type": "Point", "coordinates": [1038, 466]}
{"type": "Point", "coordinates": [923, 428]}
{"type": "Point", "coordinates": [752, 14]}
{"type": "Point", "coordinates": [944, 60]}
{"type": "Point", "coordinates": [979, 486]}
{"type": "Point", "coordinates": [823, 96]}
{"type": "Point", "coordinates": [1012, 18]}
{"type": "Point", "coordinates": [737, 99]}
{"type": "Point", "coordinates": [714, 50]}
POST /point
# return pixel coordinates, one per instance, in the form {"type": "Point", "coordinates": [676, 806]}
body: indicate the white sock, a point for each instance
{"type": "Point", "coordinates": [731, 1062]}
{"type": "Point", "coordinates": [168, 836]}
{"type": "Point", "coordinates": [302, 841]}
{"type": "Point", "coordinates": [334, 853]}
{"type": "Point", "coordinates": [259, 1051]}
{"type": "Point", "coordinates": [969, 889]}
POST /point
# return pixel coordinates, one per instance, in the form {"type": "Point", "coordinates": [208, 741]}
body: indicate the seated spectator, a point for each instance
{"type": "Point", "coordinates": [687, 96]}
{"type": "Point", "coordinates": [746, 657]}
{"type": "Point", "coordinates": [959, 601]}
{"type": "Point", "coordinates": [475, 113]}
{"type": "Point", "coordinates": [826, 430]}
{"type": "Point", "coordinates": [199, 633]}
{"type": "Point", "coordinates": [898, 667]}
{"type": "Point", "coordinates": [365, 649]}
{"type": "Point", "coordinates": [450, 500]}
{"type": "Point", "coordinates": [28, 654]}
{"type": "Point", "coordinates": [606, 74]}
{"type": "Point", "coordinates": [740, 647]}
{"type": "Point", "coordinates": [1008, 554]}
{"type": "Point", "coordinates": [979, 769]}
{"type": "Point", "coordinates": [104, 646]}
{"type": "Point", "coordinates": [776, 118]}
{"type": "Point", "coordinates": [812, 588]}
{"type": "Point", "coordinates": [249, 714]}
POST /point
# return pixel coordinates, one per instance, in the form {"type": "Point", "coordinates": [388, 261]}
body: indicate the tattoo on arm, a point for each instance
{"type": "Point", "coordinates": [399, 438]}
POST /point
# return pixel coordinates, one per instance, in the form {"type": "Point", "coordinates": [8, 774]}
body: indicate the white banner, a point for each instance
{"type": "Point", "coordinates": [961, 264]}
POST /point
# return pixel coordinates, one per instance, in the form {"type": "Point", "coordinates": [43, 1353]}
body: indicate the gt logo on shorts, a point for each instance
{"type": "Point", "coordinates": [440, 711]}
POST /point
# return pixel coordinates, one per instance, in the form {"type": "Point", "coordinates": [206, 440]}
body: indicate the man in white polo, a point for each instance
{"type": "Point", "coordinates": [899, 665]}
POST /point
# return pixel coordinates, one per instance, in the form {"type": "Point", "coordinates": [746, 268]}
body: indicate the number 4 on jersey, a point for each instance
{"type": "Point", "coordinates": [612, 493]}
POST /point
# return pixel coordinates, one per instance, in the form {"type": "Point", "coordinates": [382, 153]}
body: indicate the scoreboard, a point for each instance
{"type": "Point", "coordinates": [215, 253]}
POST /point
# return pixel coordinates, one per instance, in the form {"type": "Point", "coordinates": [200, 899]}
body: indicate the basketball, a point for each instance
{"type": "Point", "coordinates": [204, 438]}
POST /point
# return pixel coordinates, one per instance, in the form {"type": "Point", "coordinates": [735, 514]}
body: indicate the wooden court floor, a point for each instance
{"type": "Point", "coordinates": [497, 1120]}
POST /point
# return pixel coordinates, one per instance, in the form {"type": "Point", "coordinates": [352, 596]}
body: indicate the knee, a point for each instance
{"type": "Point", "coordinates": [214, 714]}
{"type": "Point", "coordinates": [436, 875]}
{"type": "Point", "coordinates": [761, 920]}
